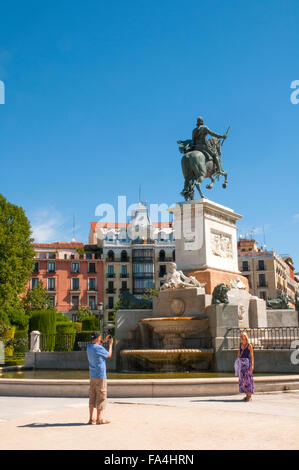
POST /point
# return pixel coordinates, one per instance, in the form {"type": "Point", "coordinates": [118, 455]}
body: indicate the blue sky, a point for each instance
{"type": "Point", "coordinates": [98, 93]}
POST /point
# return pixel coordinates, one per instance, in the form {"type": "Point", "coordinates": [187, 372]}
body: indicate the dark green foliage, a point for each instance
{"type": "Point", "coordinates": [43, 321]}
{"type": "Point", "coordinates": [60, 317]}
{"type": "Point", "coordinates": [4, 318]}
{"type": "Point", "coordinates": [21, 341]}
{"type": "Point", "coordinates": [83, 312]}
{"type": "Point", "coordinates": [16, 253]}
{"type": "Point", "coordinates": [83, 336]}
{"type": "Point", "coordinates": [36, 299]}
{"type": "Point", "coordinates": [18, 317]}
{"type": "Point", "coordinates": [90, 323]}
{"type": "Point", "coordinates": [65, 336]}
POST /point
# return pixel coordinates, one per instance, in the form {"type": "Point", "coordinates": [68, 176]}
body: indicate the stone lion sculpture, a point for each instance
{"type": "Point", "coordinates": [175, 279]}
{"type": "Point", "coordinates": [130, 302]}
{"type": "Point", "coordinates": [282, 302]}
{"type": "Point", "coordinates": [220, 294]}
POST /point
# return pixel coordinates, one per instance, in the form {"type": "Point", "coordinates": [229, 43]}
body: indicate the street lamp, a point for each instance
{"type": "Point", "coordinates": [99, 312]}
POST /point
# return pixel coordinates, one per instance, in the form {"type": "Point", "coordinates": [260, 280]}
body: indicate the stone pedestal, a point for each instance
{"type": "Point", "coordinates": [206, 242]}
{"type": "Point", "coordinates": [181, 302]}
{"type": "Point", "coordinates": [257, 313]}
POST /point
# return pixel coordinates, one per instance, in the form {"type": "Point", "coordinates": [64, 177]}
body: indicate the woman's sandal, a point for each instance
{"type": "Point", "coordinates": [92, 421]}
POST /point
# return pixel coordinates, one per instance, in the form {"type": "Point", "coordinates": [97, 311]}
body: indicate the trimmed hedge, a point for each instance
{"type": "Point", "coordinates": [43, 321]}
{"type": "Point", "coordinates": [65, 336]}
{"type": "Point", "coordinates": [90, 323]}
{"type": "Point", "coordinates": [78, 326]}
{"type": "Point", "coordinates": [83, 336]}
{"type": "Point", "coordinates": [23, 347]}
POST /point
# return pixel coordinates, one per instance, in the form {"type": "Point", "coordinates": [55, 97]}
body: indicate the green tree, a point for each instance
{"type": "Point", "coordinates": [37, 299]}
{"type": "Point", "coordinates": [16, 253]}
{"type": "Point", "coordinates": [83, 312]}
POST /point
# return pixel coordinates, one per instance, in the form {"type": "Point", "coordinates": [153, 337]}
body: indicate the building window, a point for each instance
{"type": "Point", "coordinates": [75, 301]}
{"type": "Point", "coordinates": [91, 267]}
{"type": "Point", "coordinates": [173, 255]}
{"type": "Point", "coordinates": [110, 302]}
{"type": "Point", "coordinates": [162, 270]}
{"type": "Point", "coordinates": [75, 267]}
{"type": "Point", "coordinates": [261, 265]}
{"type": "Point", "coordinates": [75, 283]}
{"type": "Point", "coordinates": [110, 271]}
{"type": "Point", "coordinates": [124, 271]}
{"type": "Point", "coordinates": [34, 282]}
{"type": "Point", "coordinates": [91, 283]}
{"type": "Point", "coordinates": [262, 280]}
{"type": "Point", "coordinates": [245, 266]}
{"type": "Point", "coordinates": [36, 267]}
{"type": "Point", "coordinates": [51, 267]}
{"type": "Point", "coordinates": [110, 255]}
{"type": "Point", "coordinates": [92, 302]}
{"type": "Point", "coordinates": [51, 256]}
{"type": "Point", "coordinates": [162, 255]}
{"type": "Point", "coordinates": [52, 300]}
{"type": "Point", "coordinates": [124, 256]}
{"type": "Point", "coordinates": [88, 256]}
{"type": "Point", "coordinates": [42, 255]}
{"type": "Point", "coordinates": [124, 285]}
{"type": "Point", "coordinates": [51, 283]}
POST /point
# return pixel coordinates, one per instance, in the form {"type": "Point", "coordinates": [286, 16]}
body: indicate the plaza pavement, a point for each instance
{"type": "Point", "coordinates": [270, 421]}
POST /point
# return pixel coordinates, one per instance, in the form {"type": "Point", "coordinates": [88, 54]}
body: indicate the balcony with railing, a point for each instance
{"type": "Point", "coordinates": [110, 290]}
{"type": "Point", "coordinates": [143, 275]}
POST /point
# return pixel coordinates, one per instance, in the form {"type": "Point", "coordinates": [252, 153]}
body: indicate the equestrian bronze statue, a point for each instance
{"type": "Point", "coordinates": [202, 159]}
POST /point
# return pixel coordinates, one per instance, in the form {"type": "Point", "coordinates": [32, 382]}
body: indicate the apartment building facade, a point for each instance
{"type": "Point", "coordinates": [136, 255]}
{"type": "Point", "coordinates": [268, 273]}
{"type": "Point", "coordinates": [71, 273]}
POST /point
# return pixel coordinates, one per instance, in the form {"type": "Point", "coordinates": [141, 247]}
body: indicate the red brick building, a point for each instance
{"type": "Point", "coordinates": [72, 274]}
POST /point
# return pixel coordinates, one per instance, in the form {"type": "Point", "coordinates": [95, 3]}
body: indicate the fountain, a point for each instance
{"type": "Point", "coordinates": [174, 356]}
{"type": "Point", "coordinates": [173, 331]}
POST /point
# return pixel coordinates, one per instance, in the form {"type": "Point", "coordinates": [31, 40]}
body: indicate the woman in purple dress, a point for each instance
{"type": "Point", "coordinates": [245, 354]}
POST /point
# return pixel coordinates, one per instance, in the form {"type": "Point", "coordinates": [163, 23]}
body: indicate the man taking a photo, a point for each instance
{"type": "Point", "coordinates": [97, 356]}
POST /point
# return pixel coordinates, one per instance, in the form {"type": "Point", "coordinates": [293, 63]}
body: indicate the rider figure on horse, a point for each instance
{"type": "Point", "coordinates": [200, 143]}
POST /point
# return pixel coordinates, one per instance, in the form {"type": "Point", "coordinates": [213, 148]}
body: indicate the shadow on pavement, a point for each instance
{"type": "Point", "coordinates": [51, 425]}
{"type": "Point", "coordinates": [238, 400]}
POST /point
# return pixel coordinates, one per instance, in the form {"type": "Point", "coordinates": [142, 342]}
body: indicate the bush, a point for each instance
{"type": "Point", "coordinates": [83, 312]}
{"type": "Point", "coordinates": [90, 323]}
{"type": "Point", "coordinates": [84, 337]}
{"type": "Point", "coordinates": [65, 336]}
{"type": "Point", "coordinates": [77, 326]}
{"type": "Point", "coordinates": [21, 340]}
{"type": "Point", "coordinates": [45, 322]}
{"type": "Point", "coordinates": [4, 318]}
{"type": "Point", "coordinates": [60, 317]}
{"type": "Point", "coordinates": [8, 337]}
{"type": "Point", "coordinates": [18, 318]}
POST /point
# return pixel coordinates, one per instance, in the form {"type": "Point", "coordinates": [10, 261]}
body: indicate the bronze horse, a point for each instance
{"type": "Point", "coordinates": [196, 167]}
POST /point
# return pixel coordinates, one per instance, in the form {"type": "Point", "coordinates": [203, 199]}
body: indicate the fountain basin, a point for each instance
{"type": "Point", "coordinates": [173, 330]}
{"type": "Point", "coordinates": [172, 359]}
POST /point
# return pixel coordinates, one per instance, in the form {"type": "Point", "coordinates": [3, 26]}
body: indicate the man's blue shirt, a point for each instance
{"type": "Point", "coordinates": [97, 356]}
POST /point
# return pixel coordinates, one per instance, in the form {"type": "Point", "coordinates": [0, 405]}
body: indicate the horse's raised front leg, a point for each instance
{"type": "Point", "coordinates": [225, 179]}
{"type": "Point", "coordinates": [209, 186]}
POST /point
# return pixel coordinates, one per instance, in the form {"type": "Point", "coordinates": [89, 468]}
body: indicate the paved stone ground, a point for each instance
{"type": "Point", "coordinates": [270, 421]}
